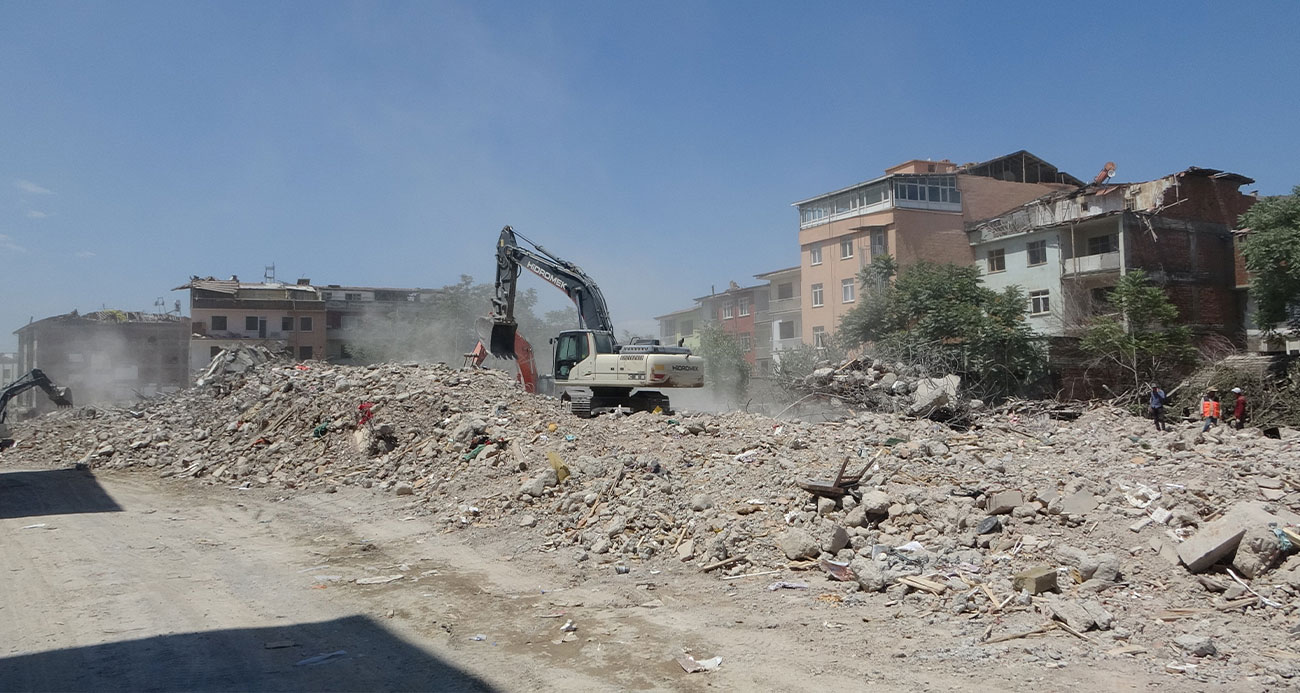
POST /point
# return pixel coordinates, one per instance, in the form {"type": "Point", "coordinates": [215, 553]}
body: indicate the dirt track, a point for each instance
{"type": "Point", "coordinates": [136, 584]}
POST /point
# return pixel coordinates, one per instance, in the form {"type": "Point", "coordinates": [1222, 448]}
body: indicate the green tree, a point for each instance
{"type": "Point", "coordinates": [942, 319]}
{"type": "Point", "coordinates": [1272, 254]}
{"type": "Point", "coordinates": [725, 369]}
{"type": "Point", "coordinates": [1143, 337]}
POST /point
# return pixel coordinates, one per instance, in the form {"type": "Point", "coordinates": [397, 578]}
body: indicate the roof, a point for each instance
{"type": "Point", "coordinates": [396, 289]}
{"type": "Point", "coordinates": [732, 291]}
{"type": "Point", "coordinates": [765, 275]}
{"type": "Point", "coordinates": [675, 313]}
{"type": "Point", "coordinates": [1026, 162]}
{"type": "Point", "coordinates": [232, 286]}
{"type": "Point", "coordinates": [106, 317]}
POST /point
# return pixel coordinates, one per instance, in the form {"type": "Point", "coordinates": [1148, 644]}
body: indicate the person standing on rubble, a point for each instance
{"type": "Point", "coordinates": [1210, 409]}
{"type": "Point", "coordinates": [1239, 408]}
{"type": "Point", "coordinates": [1157, 405]}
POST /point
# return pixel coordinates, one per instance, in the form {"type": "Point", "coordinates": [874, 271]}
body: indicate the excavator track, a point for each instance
{"type": "Point", "coordinates": [580, 406]}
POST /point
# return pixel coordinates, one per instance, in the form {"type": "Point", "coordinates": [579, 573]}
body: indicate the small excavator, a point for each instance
{"type": "Point", "coordinates": [592, 373]}
{"type": "Point", "coordinates": [61, 396]}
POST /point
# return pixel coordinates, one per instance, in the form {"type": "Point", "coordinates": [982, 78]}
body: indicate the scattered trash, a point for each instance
{"type": "Point", "coordinates": [691, 666]}
{"type": "Point", "coordinates": [838, 571]}
{"type": "Point", "coordinates": [479, 638]}
{"type": "Point", "coordinates": [784, 585]}
{"type": "Point", "coordinates": [568, 627]}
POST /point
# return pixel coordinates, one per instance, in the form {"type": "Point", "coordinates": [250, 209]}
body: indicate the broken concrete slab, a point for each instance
{"type": "Point", "coordinates": [1003, 502]}
{"type": "Point", "coordinates": [1219, 539]}
{"type": "Point", "coordinates": [1079, 503]}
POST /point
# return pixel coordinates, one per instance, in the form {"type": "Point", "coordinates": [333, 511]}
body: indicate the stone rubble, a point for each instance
{"type": "Point", "coordinates": [1100, 523]}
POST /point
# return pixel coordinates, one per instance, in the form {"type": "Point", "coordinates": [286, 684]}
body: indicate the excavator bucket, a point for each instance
{"type": "Point", "coordinates": [62, 397]}
{"type": "Point", "coordinates": [499, 336]}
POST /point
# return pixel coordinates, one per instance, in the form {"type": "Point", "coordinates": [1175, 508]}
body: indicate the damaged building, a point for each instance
{"type": "Point", "coordinates": [1068, 249]}
{"type": "Point", "coordinates": [108, 356]}
{"type": "Point", "coordinates": [285, 318]}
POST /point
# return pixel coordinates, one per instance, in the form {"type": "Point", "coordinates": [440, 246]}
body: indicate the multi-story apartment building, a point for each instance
{"type": "Point", "coordinates": [280, 317]}
{"type": "Point", "coordinates": [354, 314]}
{"type": "Point", "coordinates": [1068, 249]}
{"type": "Point", "coordinates": [916, 211]}
{"type": "Point", "coordinates": [681, 326]}
{"type": "Point", "coordinates": [734, 310]}
{"type": "Point", "coordinates": [780, 326]}
{"type": "Point", "coordinates": [105, 357]}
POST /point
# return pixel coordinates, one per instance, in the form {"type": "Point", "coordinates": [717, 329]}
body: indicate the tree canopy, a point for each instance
{"type": "Point", "coordinates": [1272, 255]}
{"type": "Point", "coordinates": [1143, 337]}
{"type": "Point", "coordinates": [941, 318]}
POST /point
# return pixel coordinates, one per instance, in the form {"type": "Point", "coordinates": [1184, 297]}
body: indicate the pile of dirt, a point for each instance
{"type": "Point", "coordinates": [1018, 526]}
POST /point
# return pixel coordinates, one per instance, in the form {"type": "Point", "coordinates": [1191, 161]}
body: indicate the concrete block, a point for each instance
{"type": "Point", "coordinates": [1219, 539]}
{"type": "Point", "coordinates": [1079, 503]}
{"type": "Point", "coordinates": [1003, 502]}
{"type": "Point", "coordinates": [1036, 580]}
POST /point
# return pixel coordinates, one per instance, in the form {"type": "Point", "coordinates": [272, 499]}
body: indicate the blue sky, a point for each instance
{"type": "Point", "coordinates": [657, 145]}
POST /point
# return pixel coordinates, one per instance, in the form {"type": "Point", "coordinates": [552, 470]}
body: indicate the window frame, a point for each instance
{"type": "Point", "coordinates": [286, 323]}
{"type": "Point", "coordinates": [1030, 248]}
{"type": "Point", "coordinates": [251, 320]}
{"type": "Point", "coordinates": [1034, 306]}
{"type": "Point", "coordinates": [1000, 254]}
{"type": "Point", "coordinates": [819, 337]}
{"type": "Point", "coordinates": [305, 324]}
{"type": "Point", "coordinates": [882, 234]}
{"type": "Point", "coordinates": [781, 331]}
{"type": "Point", "coordinates": [742, 304]}
{"type": "Point", "coordinates": [225, 324]}
{"type": "Point", "coordinates": [818, 297]}
{"type": "Point", "coordinates": [847, 293]}
{"type": "Point", "coordinates": [846, 244]}
{"type": "Point", "coordinates": [789, 290]}
{"type": "Point", "coordinates": [728, 310]}
{"type": "Point", "coordinates": [815, 254]}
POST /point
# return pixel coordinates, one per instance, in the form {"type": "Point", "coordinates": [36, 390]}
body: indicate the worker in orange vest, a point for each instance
{"type": "Point", "coordinates": [1210, 409]}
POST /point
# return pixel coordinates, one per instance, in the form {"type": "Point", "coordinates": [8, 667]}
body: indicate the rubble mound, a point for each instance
{"type": "Point", "coordinates": [1096, 524]}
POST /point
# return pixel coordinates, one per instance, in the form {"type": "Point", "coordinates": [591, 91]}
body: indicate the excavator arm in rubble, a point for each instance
{"type": "Point", "coordinates": [61, 396]}
{"type": "Point", "coordinates": [498, 333]}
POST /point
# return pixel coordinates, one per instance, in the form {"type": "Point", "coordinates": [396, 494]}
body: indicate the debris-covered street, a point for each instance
{"type": "Point", "coordinates": [402, 522]}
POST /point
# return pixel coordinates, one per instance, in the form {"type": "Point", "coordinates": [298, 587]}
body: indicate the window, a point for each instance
{"type": "Point", "coordinates": [785, 329]}
{"type": "Point", "coordinates": [817, 295]}
{"type": "Point", "coordinates": [846, 290]}
{"type": "Point", "coordinates": [1103, 244]}
{"type": "Point", "coordinates": [744, 306]}
{"type": "Point", "coordinates": [846, 249]}
{"type": "Point", "coordinates": [785, 290]}
{"type": "Point", "coordinates": [304, 324]}
{"type": "Point", "coordinates": [351, 297]}
{"type": "Point", "coordinates": [1037, 251]}
{"type": "Point", "coordinates": [728, 311]}
{"type": "Point", "coordinates": [333, 321]}
{"type": "Point", "coordinates": [819, 337]}
{"type": "Point", "coordinates": [1100, 296]}
{"type": "Point", "coordinates": [879, 243]}
{"type": "Point", "coordinates": [304, 352]}
{"type": "Point", "coordinates": [350, 322]}
{"type": "Point", "coordinates": [1038, 302]}
{"type": "Point", "coordinates": [286, 324]}
{"type": "Point", "coordinates": [670, 328]}
{"type": "Point", "coordinates": [997, 260]}
{"type": "Point", "coordinates": [327, 296]}
{"type": "Point", "coordinates": [219, 323]}
{"type": "Point", "coordinates": [213, 351]}
{"type": "Point", "coordinates": [815, 255]}
{"type": "Point", "coordinates": [250, 323]}
{"type": "Point", "coordinates": [746, 343]}
{"type": "Point", "coordinates": [688, 327]}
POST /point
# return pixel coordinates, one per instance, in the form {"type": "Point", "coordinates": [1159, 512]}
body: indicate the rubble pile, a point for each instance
{"type": "Point", "coordinates": [889, 387]}
{"type": "Point", "coordinates": [1142, 543]}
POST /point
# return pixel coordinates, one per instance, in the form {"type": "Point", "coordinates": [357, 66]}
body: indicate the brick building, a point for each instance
{"type": "Point", "coordinates": [1068, 249]}
{"type": "Point", "coordinates": [916, 211]}
{"type": "Point", "coordinates": [105, 357]}
{"type": "Point", "coordinates": [735, 310]}
{"type": "Point", "coordinates": [281, 317]}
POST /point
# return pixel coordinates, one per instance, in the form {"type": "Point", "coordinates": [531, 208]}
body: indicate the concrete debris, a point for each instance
{"type": "Point", "coordinates": [1091, 514]}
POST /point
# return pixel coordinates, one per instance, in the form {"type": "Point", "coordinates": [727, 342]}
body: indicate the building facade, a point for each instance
{"type": "Point", "coordinates": [780, 327]}
{"type": "Point", "coordinates": [285, 318]}
{"type": "Point", "coordinates": [681, 326]}
{"type": "Point", "coordinates": [106, 357]}
{"type": "Point", "coordinates": [1067, 250]}
{"type": "Point", "coordinates": [734, 310]}
{"type": "Point", "coordinates": [916, 211]}
{"type": "Point", "coordinates": [356, 314]}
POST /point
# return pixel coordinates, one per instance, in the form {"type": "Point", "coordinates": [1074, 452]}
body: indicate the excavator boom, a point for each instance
{"type": "Point", "coordinates": [61, 396]}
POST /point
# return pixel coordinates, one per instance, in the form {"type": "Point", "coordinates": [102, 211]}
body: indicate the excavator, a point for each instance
{"type": "Point", "coordinates": [592, 372]}
{"type": "Point", "coordinates": [61, 396]}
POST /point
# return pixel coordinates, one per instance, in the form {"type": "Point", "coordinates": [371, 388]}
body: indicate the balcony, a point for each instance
{"type": "Point", "coordinates": [783, 305]}
{"type": "Point", "coordinates": [783, 344]}
{"type": "Point", "coordinates": [1090, 264]}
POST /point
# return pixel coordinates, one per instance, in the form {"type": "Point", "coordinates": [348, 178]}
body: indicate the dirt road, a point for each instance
{"type": "Point", "coordinates": [125, 582]}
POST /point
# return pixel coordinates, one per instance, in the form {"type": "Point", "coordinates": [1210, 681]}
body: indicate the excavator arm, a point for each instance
{"type": "Point", "coordinates": [593, 314]}
{"type": "Point", "coordinates": [61, 396]}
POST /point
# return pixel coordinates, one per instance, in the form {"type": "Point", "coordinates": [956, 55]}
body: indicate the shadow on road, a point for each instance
{"type": "Point", "coordinates": [348, 654]}
{"type": "Point", "coordinates": [52, 492]}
